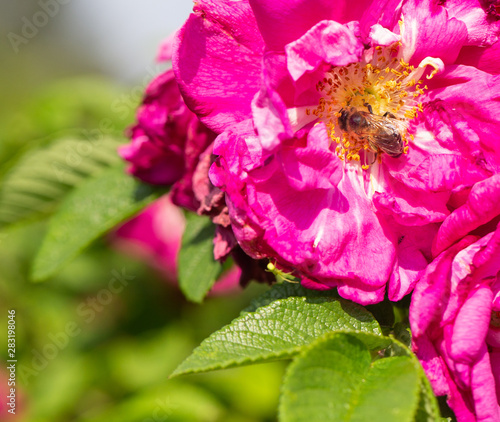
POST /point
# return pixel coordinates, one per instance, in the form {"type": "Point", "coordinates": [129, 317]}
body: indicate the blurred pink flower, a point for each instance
{"type": "Point", "coordinates": [13, 406]}
{"type": "Point", "coordinates": [272, 79]}
{"type": "Point", "coordinates": [155, 237]}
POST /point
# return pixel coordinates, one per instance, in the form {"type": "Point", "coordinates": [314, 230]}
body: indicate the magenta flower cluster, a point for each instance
{"type": "Point", "coordinates": [356, 146]}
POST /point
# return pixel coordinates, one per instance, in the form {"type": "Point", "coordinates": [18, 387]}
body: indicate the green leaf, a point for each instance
{"type": "Point", "coordinates": [428, 408]}
{"type": "Point", "coordinates": [277, 331]}
{"type": "Point", "coordinates": [172, 401]}
{"type": "Point", "coordinates": [92, 209]}
{"type": "Point", "coordinates": [37, 182]}
{"type": "Point", "coordinates": [334, 380]}
{"type": "Point", "coordinates": [287, 289]}
{"type": "Point", "coordinates": [198, 269]}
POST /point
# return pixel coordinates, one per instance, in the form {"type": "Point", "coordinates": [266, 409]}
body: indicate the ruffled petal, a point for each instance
{"type": "Point", "coordinates": [473, 316]}
{"type": "Point", "coordinates": [483, 204]}
{"type": "Point", "coordinates": [472, 99]}
{"type": "Point", "coordinates": [327, 42]}
{"type": "Point", "coordinates": [311, 167]}
{"type": "Point", "coordinates": [481, 29]}
{"type": "Point", "coordinates": [413, 256]}
{"type": "Point", "coordinates": [270, 118]}
{"type": "Point", "coordinates": [411, 207]}
{"type": "Point", "coordinates": [151, 163]}
{"type": "Point", "coordinates": [433, 364]}
{"type": "Point", "coordinates": [385, 13]}
{"type": "Point", "coordinates": [431, 295]}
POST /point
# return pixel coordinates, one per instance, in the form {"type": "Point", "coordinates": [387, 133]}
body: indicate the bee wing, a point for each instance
{"type": "Point", "coordinates": [383, 134]}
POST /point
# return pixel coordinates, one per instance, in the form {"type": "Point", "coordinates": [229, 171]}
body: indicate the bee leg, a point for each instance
{"type": "Point", "coordinates": [389, 114]}
{"type": "Point", "coordinates": [369, 107]}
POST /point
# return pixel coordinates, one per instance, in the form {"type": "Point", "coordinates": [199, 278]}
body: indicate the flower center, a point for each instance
{"type": "Point", "coordinates": [366, 106]}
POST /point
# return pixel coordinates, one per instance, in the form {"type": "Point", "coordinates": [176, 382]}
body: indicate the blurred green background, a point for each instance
{"type": "Point", "coordinates": [80, 77]}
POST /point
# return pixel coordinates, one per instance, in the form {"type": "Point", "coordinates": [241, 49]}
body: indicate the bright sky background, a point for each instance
{"type": "Point", "coordinates": [120, 37]}
{"type": "Point", "coordinates": [124, 35]}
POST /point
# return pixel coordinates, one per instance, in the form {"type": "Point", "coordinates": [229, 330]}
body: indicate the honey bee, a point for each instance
{"type": "Point", "coordinates": [383, 133]}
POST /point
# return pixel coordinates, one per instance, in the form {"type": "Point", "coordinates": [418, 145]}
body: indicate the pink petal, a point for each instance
{"type": "Point", "coordinates": [166, 49]}
{"type": "Point", "coordinates": [228, 281]}
{"type": "Point", "coordinates": [495, 369]}
{"type": "Point", "coordinates": [224, 242]}
{"type": "Point", "coordinates": [483, 390]}
{"type": "Point", "coordinates": [482, 205]}
{"type": "Point", "coordinates": [281, 22]}
{"type": "Point", "coordinates": [427, 31]}
{"type": "Point", "coordinates": [484, 58]}
{"type": "Point", "coordinates": [474, 98]}
{"type": "Point", "coordinates": [383, 12]}
{"type": "Point", "coordinates": [413, 250]}
{"type": "Point", "coordinates": [433, 364]}
{"type": "Point", "coordinates": [155, 235]}
{"type": "Point", "coordinates": [382, 36]}
{"type": "Point", "coordinates": [327, 42]}
{"type": "Point", "coordinates": [471, 326]}
{"type": "Point", "coordinates": [432, 292]}
{"type": "Point", "coordinates": [302, 166]}
{"type": "Point", "coordinates": [482, 30]}
{"type": "Point", "coordinates": [217, 61]}
{"type": "Point", "coordinates": [151, 163]}
{"type": "Point", "coordinates": [411, 207]}
{"type": "Point", "coordinates": [271, 119]}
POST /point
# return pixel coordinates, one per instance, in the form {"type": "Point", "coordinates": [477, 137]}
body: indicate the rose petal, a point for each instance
{"type": "Point", "coordinates": [217, 59]}
{"type": "Point", "coordinates": [482, 205]}
{"type": "Point", "coordinates": [281, 22]}
{"type": "Point", "coordinates": [427, 31]}
{"type": "Point", "coordinates": [327, 42]}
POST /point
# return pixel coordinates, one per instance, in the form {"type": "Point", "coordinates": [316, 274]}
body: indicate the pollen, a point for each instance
{"type": "Point", "coordinates": [385, 85]}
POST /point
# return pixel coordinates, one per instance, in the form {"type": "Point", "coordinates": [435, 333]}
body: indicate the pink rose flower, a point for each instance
{"type": "Point", "coordinates": [455, 308]}
{"type": "Point", "coordinates": [454, 313]}
{"type": "Point", "coordinates": [346, 203]}
{"type": "Point", "coordinates": [168, 138]}
{"type": "Point", "coordinates": [170, 146]}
